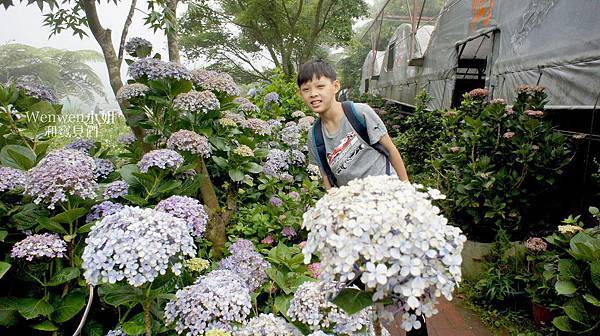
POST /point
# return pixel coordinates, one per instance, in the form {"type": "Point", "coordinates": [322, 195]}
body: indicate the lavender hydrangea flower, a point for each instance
{"type": "Point", "coordinates": [103, 168]}
{"type": "Point", "coordinates": [291, 135]}
{"type": "Point", "coordinates": [11, 179]}
{"type": "Point", "coordinates": [194, 101]}
{"type": "Point", "coordinates": [188, 209]}
{"type": "Point", "coordinates": [271, 97]}
{"type": "Point", "coordinates": [268, 325]}
{"type": "Point", "coordinates": [84, 145]}
{"type": "Point", "coordinates": [135, 43]}
{"type": "Point", "coordinates": [161, 158]}
{"type": "Point", "coordinates": [116, 332]}
{"type": "Point", "coordinates": [189, 141]}
{"type": "Point", "coordinates": [215, 81]}
{"type": "Point", "coordinates": [136, 245]}
{"type": "Point", "coordinates": [248, 108]}
{"type": "Point", "coordinates": [306, 123]}
{"type": "Point", "coordinates": [276, 201]}
{"type": "Point", "coordinates": [297, 157]}
{"type": "Point", "coordinates": [102, 210]}
{"type": "Point", "coordinates": [274, 124]}
{"type": "Point", "coordinates": [129, 91]}
{"type": "Point", "coordinates": [277, 163]}
{"type": "Point", "coordinates": [248, 264]}
{"type": "Point", "coordinates": [294, 195]}
{"type": "Point", "coordinates": [288, 232]}
{"type": "Point", "coordinates": [48, 245]}
{"type": "Point", "coordinates": [126, 139]}
{"type": "Point", "coordinates": [61, 173]}
{"type": "Point", "coordinates": [257, 126]}
{"type": "Point", "coordinates": [156, 69]}
{"type": "Point", "coordinates": [37, 90]}
{"type": "Point", "coordinates": [213, 302]}
{"type": "Point", "coordinates": [115, 189]}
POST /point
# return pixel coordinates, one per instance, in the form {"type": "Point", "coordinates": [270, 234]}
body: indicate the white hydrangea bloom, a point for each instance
{"type": "Point", "coordinates": [388, 234]}
{"type": "Point", "coordinates": [267, 325]}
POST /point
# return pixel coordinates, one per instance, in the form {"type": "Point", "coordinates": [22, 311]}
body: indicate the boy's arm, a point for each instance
{"type": "Point", "coordinates": [325, 180]}
{"type": "Point", "coordinates": [395, 157]}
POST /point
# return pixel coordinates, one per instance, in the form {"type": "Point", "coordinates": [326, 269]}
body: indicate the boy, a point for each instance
{"type": "Point", "coordinates": [347, 155]}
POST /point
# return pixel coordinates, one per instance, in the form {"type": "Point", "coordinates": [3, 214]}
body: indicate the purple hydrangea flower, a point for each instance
{"type": "Point", "coordinates": [277, 163]}
{"type": "Point", "coordinates": [288, 232]}
{"type": "Point", "coordinates": [189, 141]}
{"type": "Point", "coordinates": [214, 301]}
{"type": "Point", "coordinates": [276, 201]}
{"type": "Point", "coordinates": [84, 145]}
{"type": "Point", "coordinates": [188, 209]}
{"type": "Point", "coordinates": [268, 240]}
{"type": "Point", "coordinates": [195, 101]}
{"type": "Point", "coordinates": [294, 195]}
{"type": "Point", "coordinates": [134, 43]}
{"type": "Point", "coordinates": [271, 97]}
{"type": "Point", "coordinates": [274, 123]}
{"type": "Point", "coordinates": [136, 245]}
{"type": "Point", "coordinates": [61, 173]}
{"type": "Point", "coordinates": [257, 126]}
{"type": "Point", "coordinates": [246, 263]}
{"type": "Point", "coordinates": [39, 91]}
{"type": "Point", "coordinates": [134, 90]}
{"type": "Point", "coordinates": [290, 135]}
{"type": "Point", "coordinates": [115, 189]}
{"type": "Point", "coordinates": [48, 245]}
{"type": "Point", "coordinates": [11, 179]}
{"type": "Point", "coordinates": [156, 69]}
{"type": "Point", "coordinates": [126, 139]}
{"type": "Point", "coordinates": [215, 81]}
{"type": "Point", "coordinates": [103, 168]}
{"type": "Point", "coordinates": [161, 158]}
{"type": "Point", "coordinates": [102, 210]}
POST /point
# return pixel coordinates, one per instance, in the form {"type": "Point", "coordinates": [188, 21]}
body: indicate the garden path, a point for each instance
{"type": "Point", "coordinates": [453, 319]}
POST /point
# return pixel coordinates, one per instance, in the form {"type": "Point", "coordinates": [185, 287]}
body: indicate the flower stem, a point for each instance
{"type": "Point", "coordinates": [147, 321]}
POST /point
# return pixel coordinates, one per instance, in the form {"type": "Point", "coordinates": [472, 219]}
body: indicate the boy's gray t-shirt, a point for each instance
{"type": "Point", "coordinates": [348, 155]}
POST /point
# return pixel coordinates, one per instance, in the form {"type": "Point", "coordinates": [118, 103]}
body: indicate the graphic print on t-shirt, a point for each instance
{"type": "Point", "coordinates": [344, 154]}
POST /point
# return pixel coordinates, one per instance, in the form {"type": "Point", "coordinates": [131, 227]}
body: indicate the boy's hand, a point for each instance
{"type": "Point", "coordinates": [395, 157]}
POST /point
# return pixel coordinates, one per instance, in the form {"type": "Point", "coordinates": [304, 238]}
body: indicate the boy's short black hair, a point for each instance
{"type": "Point", "coordinates": [315, 68]}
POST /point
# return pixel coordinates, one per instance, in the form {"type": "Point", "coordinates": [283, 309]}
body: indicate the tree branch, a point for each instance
{"type": "Point", "coordinates": [125, 30]}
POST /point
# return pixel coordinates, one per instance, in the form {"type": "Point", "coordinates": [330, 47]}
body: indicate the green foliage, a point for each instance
{"type": "Point", "coordinates": [497, 162]}
{"type": "Point", "coordinates": [289, 99]}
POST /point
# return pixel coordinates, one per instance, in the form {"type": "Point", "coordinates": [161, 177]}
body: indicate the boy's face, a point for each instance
{"type": "Point", "coordinates": [319, 93]}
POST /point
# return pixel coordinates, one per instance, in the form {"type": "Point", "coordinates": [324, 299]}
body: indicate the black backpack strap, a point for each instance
{"type": "Point", "coordinates": [360, 126]}
{"type": "Point", "coordinates": [321, 152]}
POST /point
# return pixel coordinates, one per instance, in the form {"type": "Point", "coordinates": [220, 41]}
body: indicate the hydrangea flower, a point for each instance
{"type": "Point", "coordinates": [274, 124]}
{"type": "Point", "coordinates": [102, 210]}
{"type": "Point", "coordinates": [536, 244]}
{"type": "Point", "coordinates": [241, 100]}
{"type": "Point", "coordinates": [115, 189]}
{"type": "Point", "coordinates": [126, 139]}
{"type": "Point", "coordinates": [479, 93]}
{"type": "Point", "coordinates": [136, 43]}
{"type": "Point", "coordinates": [306, 123]}
{"type": "Point", "coordinates": [45, 245]}
{"type": "Point", "coordinates": [103, 168]}
{"type": "Point", "coordinates": [257, 126]}
{"type": "Point", "coordinates": [530, 89]}
{"type": "Point", "coordinates": [311, 305]}
{"type": "Point", "coordinates": [288, 232]}
{"type": "Point", "coordinates": [277, 163]}
{"type": "Point", "coordinates": [39, 91]}
{"type": "Point", "coordinates": [248, 264]}
{"type": "Point", "coordinates": [290, 135]}
{"type": "Point", "coordinates": [314, 171]}
{"type": "Point", "coordinates": [314, 269]}
{"type": "Point", "coordinates": [189, 141]}
{"type": "Point", "coordinates": [294, 195]}
{"type": "Point", "coordinates": [61, 173]}
{"type": "Point", "coordinates": [297, 157]}
{"type": "Point", "coordinates": [298, 114]}
{"type": "Point", "coordinates": [244, 151]}
{"type": "Point", "coordinates": [11, 179]}
{"type": "Point", "coordinates": [535, 114]}
{"type": "Point", "coordinates": [215, 81]}
{"type": "Point", "coordinates": [227, 122]}
{"type": "Point", "coordinates": [213, 302]}
{"type": "Point", "coordinates": [237, 117]}
{"type": "Point", "coordinates": [508, 135]}
{"type": "Point", "coordinates": [134, 90]}
{"type": "Point", "coordinates": [156, 69]}
{"type": "Point", "coordinates": [217, 332]}
{"type": "Point", "coordinates": [84, 145]}
{"type": "Point", "coordinates": [248, 108]}
{"type": "Point", "coordinates": [271, 97]}
{"type": "Point", "coordinates": [161, 158]}
{"type": "Point", "coordinates": [195, 101]}
{"type": "Point", "coordinates": [116, 332]}
{"type": "Point", "coordinates": [569, 229]}
{"type": "Point", "coordinates": [388, 234]}
{"type": "Point", "coordinates": [136, 245]}
{"type": "Point", "coordinates": [188, 209]}
{"type": "Point", "coordinates": [268, 325]}
{"type": "Point", "coordinates": [276, 201]}
{"type": "Point", "coordinates": [268, 240]}
{"type": "Point", "coordinates": [197, 264]}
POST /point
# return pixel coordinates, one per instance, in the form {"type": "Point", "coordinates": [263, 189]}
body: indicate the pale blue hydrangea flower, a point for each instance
{"type": "Point", "coordinates": [134, 90]}
{"type": "Point", "coordinates": [156, 69]}
{"type": "Point", "coordinates": [290, 135]}
{"type": "Point", "coordinates": [161, 158]}
{"type": "Point", "coordinates": [46, 245]}
{"type": "Point", "coordinates": [189, 141]}
{"type": "Point", "coordinates": [135, 43]}
{"type": "Point", "coordinates": [103, 168]}
{"type": "Point", "coordinates": [188, 209]}
{"type": "Point", "coordinates": [136, 245]}
{"type": "Point", "coordinates": [215, 81]}
{"type": "Point", "coordinates": [196, 101]}
{"type": "Point", "coordinates": [102, 210]}
{"type": "Point", "coordinates": [271, 97]}
{"type": "Point", "coordinates": [213, 302]}
{"type": "Point", "coordinates": [61, 173]}
{"type": "Point", "coordinates": [11, 179]}
{"type": "Point", "coordinates": [268, 325]}
{"type": "Point", "coordinates": [115, 189]}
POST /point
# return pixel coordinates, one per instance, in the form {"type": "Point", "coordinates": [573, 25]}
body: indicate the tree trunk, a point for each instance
{"type": "Point", "coordinates": [172, 33]}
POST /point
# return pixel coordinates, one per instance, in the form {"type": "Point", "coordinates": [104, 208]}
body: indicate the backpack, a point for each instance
{"type": "Point", "coordinates": [359, 126]}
